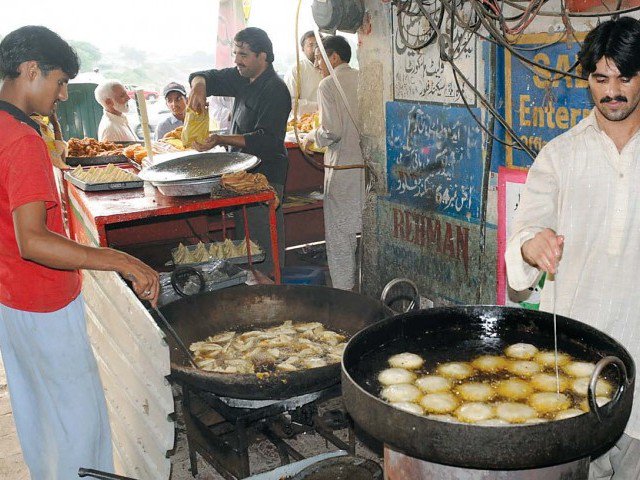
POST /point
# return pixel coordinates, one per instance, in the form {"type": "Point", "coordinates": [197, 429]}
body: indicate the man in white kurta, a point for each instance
{"type": "Point", "coordinates": [114, 126]}
{"type": "Point", "coordinates": [307, 90]}
{"type": "Point", "coordinates": [343, 189]}
{"type": "Point", "coordinates": [579, 216]}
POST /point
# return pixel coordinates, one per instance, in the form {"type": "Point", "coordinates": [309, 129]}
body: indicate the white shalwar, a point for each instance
{"type": "Point", "coordinates": [581, 187]}
{"type": "Point", "coordinates": [310, 78]}
{"type": "Point", "coordinates": [343, 189]}
{"type": "Point", "coordinates": [56, 395]}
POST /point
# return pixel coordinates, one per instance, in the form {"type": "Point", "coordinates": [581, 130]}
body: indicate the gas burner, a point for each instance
{"type": "Point", "coordinates": [218, 428]}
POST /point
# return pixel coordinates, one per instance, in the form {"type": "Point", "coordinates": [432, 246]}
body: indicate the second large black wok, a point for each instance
{"type": "Point", "coordinates": [462, 333]}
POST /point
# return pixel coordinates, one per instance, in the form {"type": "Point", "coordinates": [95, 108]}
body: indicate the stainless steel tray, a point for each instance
{"type": "Point", "coordinates": [97, 187]}
{"type": "Point", "coordinates": [93, 161]}
{"type": "Point", "coordinates": [199, 166]}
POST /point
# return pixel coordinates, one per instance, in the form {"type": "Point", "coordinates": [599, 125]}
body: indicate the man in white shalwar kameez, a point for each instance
{"type": "Point", "coordinates": [307, 90]}
{"type": "Point", "coordinates": [579, 216]}
{"type": "Point", "coordinates": [343, 189]}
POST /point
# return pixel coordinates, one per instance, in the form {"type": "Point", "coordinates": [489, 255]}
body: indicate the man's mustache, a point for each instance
{"type": "Point", "coordinates": [619, 98]}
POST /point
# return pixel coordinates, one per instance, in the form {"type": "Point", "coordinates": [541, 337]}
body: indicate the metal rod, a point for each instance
{"type": "Point", "coordinates": [175, 337]}
{"type": "Point", "coordinates": [88, 472]}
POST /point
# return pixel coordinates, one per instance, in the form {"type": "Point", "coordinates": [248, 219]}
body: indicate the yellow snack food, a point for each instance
{"type": "Point", "coordinates": [196, 127]}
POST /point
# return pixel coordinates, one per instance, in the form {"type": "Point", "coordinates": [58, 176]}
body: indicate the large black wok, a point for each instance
{"type": "Point", "coordinates": [243, 308]}
{"type": "Point", "coordinates": [446, 334]}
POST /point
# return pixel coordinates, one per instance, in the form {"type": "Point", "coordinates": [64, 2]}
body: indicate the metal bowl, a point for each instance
{"type": "Point", "coordinates": [187, 188]}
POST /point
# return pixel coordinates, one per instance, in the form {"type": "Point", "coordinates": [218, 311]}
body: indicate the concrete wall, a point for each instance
{"type": "Point", "coordinates": [426, 217]}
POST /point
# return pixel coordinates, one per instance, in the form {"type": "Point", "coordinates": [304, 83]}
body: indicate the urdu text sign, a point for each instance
{"type": "Point", "coordinates": [539, 110]}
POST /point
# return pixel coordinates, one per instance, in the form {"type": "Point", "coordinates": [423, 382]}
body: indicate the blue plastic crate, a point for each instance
{"type": "Point", "coordinates": [303, 275]}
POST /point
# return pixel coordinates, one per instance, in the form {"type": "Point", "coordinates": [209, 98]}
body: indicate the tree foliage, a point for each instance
{"type": "Point", "coordinates": [88, 53]}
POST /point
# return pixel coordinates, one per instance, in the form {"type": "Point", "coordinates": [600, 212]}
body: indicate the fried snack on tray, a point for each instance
{"type": "Point", "coordinates": [137, 153]}
{"type": "Point", "coordinates": [108, 174]}
{"type": "Point", "coordinates": [173, 133]}
{"type": "Point", "coordinates": [90, 147]}
{"type": "Point", "coordinates": [243, 182]}
{"type": "Point", "coordinates": [306, 122]}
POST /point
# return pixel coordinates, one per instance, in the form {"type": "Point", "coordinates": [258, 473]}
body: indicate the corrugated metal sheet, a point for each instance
{"type": "Point", "coordinates": [133, 359]}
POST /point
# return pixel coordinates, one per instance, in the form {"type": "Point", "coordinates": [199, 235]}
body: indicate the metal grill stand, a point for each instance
{"type": "Point", "coordinates": [218, 428]}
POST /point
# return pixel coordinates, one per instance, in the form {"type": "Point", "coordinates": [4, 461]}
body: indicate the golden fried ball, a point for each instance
{"type": "Point", "coordinates": [443, 418]}
{"type": "Point", "coordinates": [407, 360]}
{"type": "Point", "coordinates": [393, 376]}
{"type": "Point", "coordinates": [402, 392]}
{"type": "Point", "coordinates": [475, 391]}
{"type": "Point", "coordinates": [579, 369]}
{"type": "Point", "coordinates": [439, 402]}
{"type": "Point", "coordinates": [514, 412]}
{"type": "Point", "coordinates": [433, 384]}
{"type": "Point", "coordinates": [546, 382]}
{"type": "Point", "coordinates": [514, 389]}
{"type": "Point", "coordinates": [548, 359]}
{"type": "Point", "coordinates": [580, 386]}
{"type": "Point", "coordinates": [521, 351]}
{"type": "Point", "coordinates": [549, 402]}
{"type": "Point", "coordinates": [474, 412]}
{"type": "Point", "coordinates": [490, 363]}
{"type": "Point", "coordinates": [408, 407]}
{"type": "Point", "coordinates": [523, 368]}
{"type": "Point", "coordinates": [456, 370]}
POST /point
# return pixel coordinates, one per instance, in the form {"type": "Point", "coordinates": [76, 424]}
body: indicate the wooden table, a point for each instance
{"type": "Point", "coordinates": [90, 213]}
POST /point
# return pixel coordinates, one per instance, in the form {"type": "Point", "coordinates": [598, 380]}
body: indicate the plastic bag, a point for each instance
{"type": "Point", "coordinates": [57, 148]}
{"type": "Point", "coordinates": [196, 127]}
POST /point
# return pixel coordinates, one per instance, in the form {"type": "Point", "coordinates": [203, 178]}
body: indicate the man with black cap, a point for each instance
{"type": "Point", "coordinates": [258, 122]}
{"type": "Point", "coordinates": [175, 95]}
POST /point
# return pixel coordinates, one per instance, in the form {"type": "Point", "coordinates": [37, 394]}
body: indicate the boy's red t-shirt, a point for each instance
{"type": "Point", "coordinates": [26, 175]}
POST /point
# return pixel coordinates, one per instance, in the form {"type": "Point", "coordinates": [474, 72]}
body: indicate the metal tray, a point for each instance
{"type": "Point", "coordinates": [100, 160]}
{"type": "Point", "coordinates": [98, 187]}
{"type": "Point", "coordinates": [256, 257]}
{"type": "Point", "coordinates": [216, 274]}
{"type": "Point", "coordinates": [93, 161]}
{"type": "Point", "coordinates": [199, 166]}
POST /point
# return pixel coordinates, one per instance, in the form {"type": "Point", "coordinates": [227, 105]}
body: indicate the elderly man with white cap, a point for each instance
{"type": "Point", "coordinates": [114, 126]}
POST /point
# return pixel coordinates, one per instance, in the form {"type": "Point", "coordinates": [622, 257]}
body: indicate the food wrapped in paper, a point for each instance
{"type": "Point", "coordinates": [196, 127]}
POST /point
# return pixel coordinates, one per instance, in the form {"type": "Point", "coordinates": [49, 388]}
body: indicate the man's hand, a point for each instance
{"type": "Point", "coordinates": [198, 96]}
{"type": "Point", "coordinates": [144, 280]}
{"type": "Point", "coordinates": [306, 143]}
{"type": "Point", "coordinates": [208, 143]}
{"type": "Point", "coordinates": [544, 251]}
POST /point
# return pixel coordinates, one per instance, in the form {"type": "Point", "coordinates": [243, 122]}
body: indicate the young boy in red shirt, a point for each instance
{"type": "Point", "coordinates": [56, 395]}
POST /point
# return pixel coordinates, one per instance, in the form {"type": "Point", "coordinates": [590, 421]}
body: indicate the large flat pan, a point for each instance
{"type": "Point", "coordinates": [246, 307]}
{"type": "Point", "coordinates": [446, 334]}
{"type": "Point", "coordinates": [198, 166]}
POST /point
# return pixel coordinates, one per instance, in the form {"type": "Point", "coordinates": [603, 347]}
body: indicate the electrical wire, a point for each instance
{"type": "Point", "coordinates": [612, 13]}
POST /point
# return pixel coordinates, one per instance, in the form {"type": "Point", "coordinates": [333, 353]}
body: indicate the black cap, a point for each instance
{"type": "Point", "coordinates": [174, 87]}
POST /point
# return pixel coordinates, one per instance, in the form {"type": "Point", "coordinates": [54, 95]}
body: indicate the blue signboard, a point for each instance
{"type": "Point", "coordinates": [434, 158]}
{"type": "Point", "coordinates": [537, 109]}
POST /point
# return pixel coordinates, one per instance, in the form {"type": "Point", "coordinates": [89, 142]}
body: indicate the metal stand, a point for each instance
{"type": "Point", "coordinates": [220, 433]}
